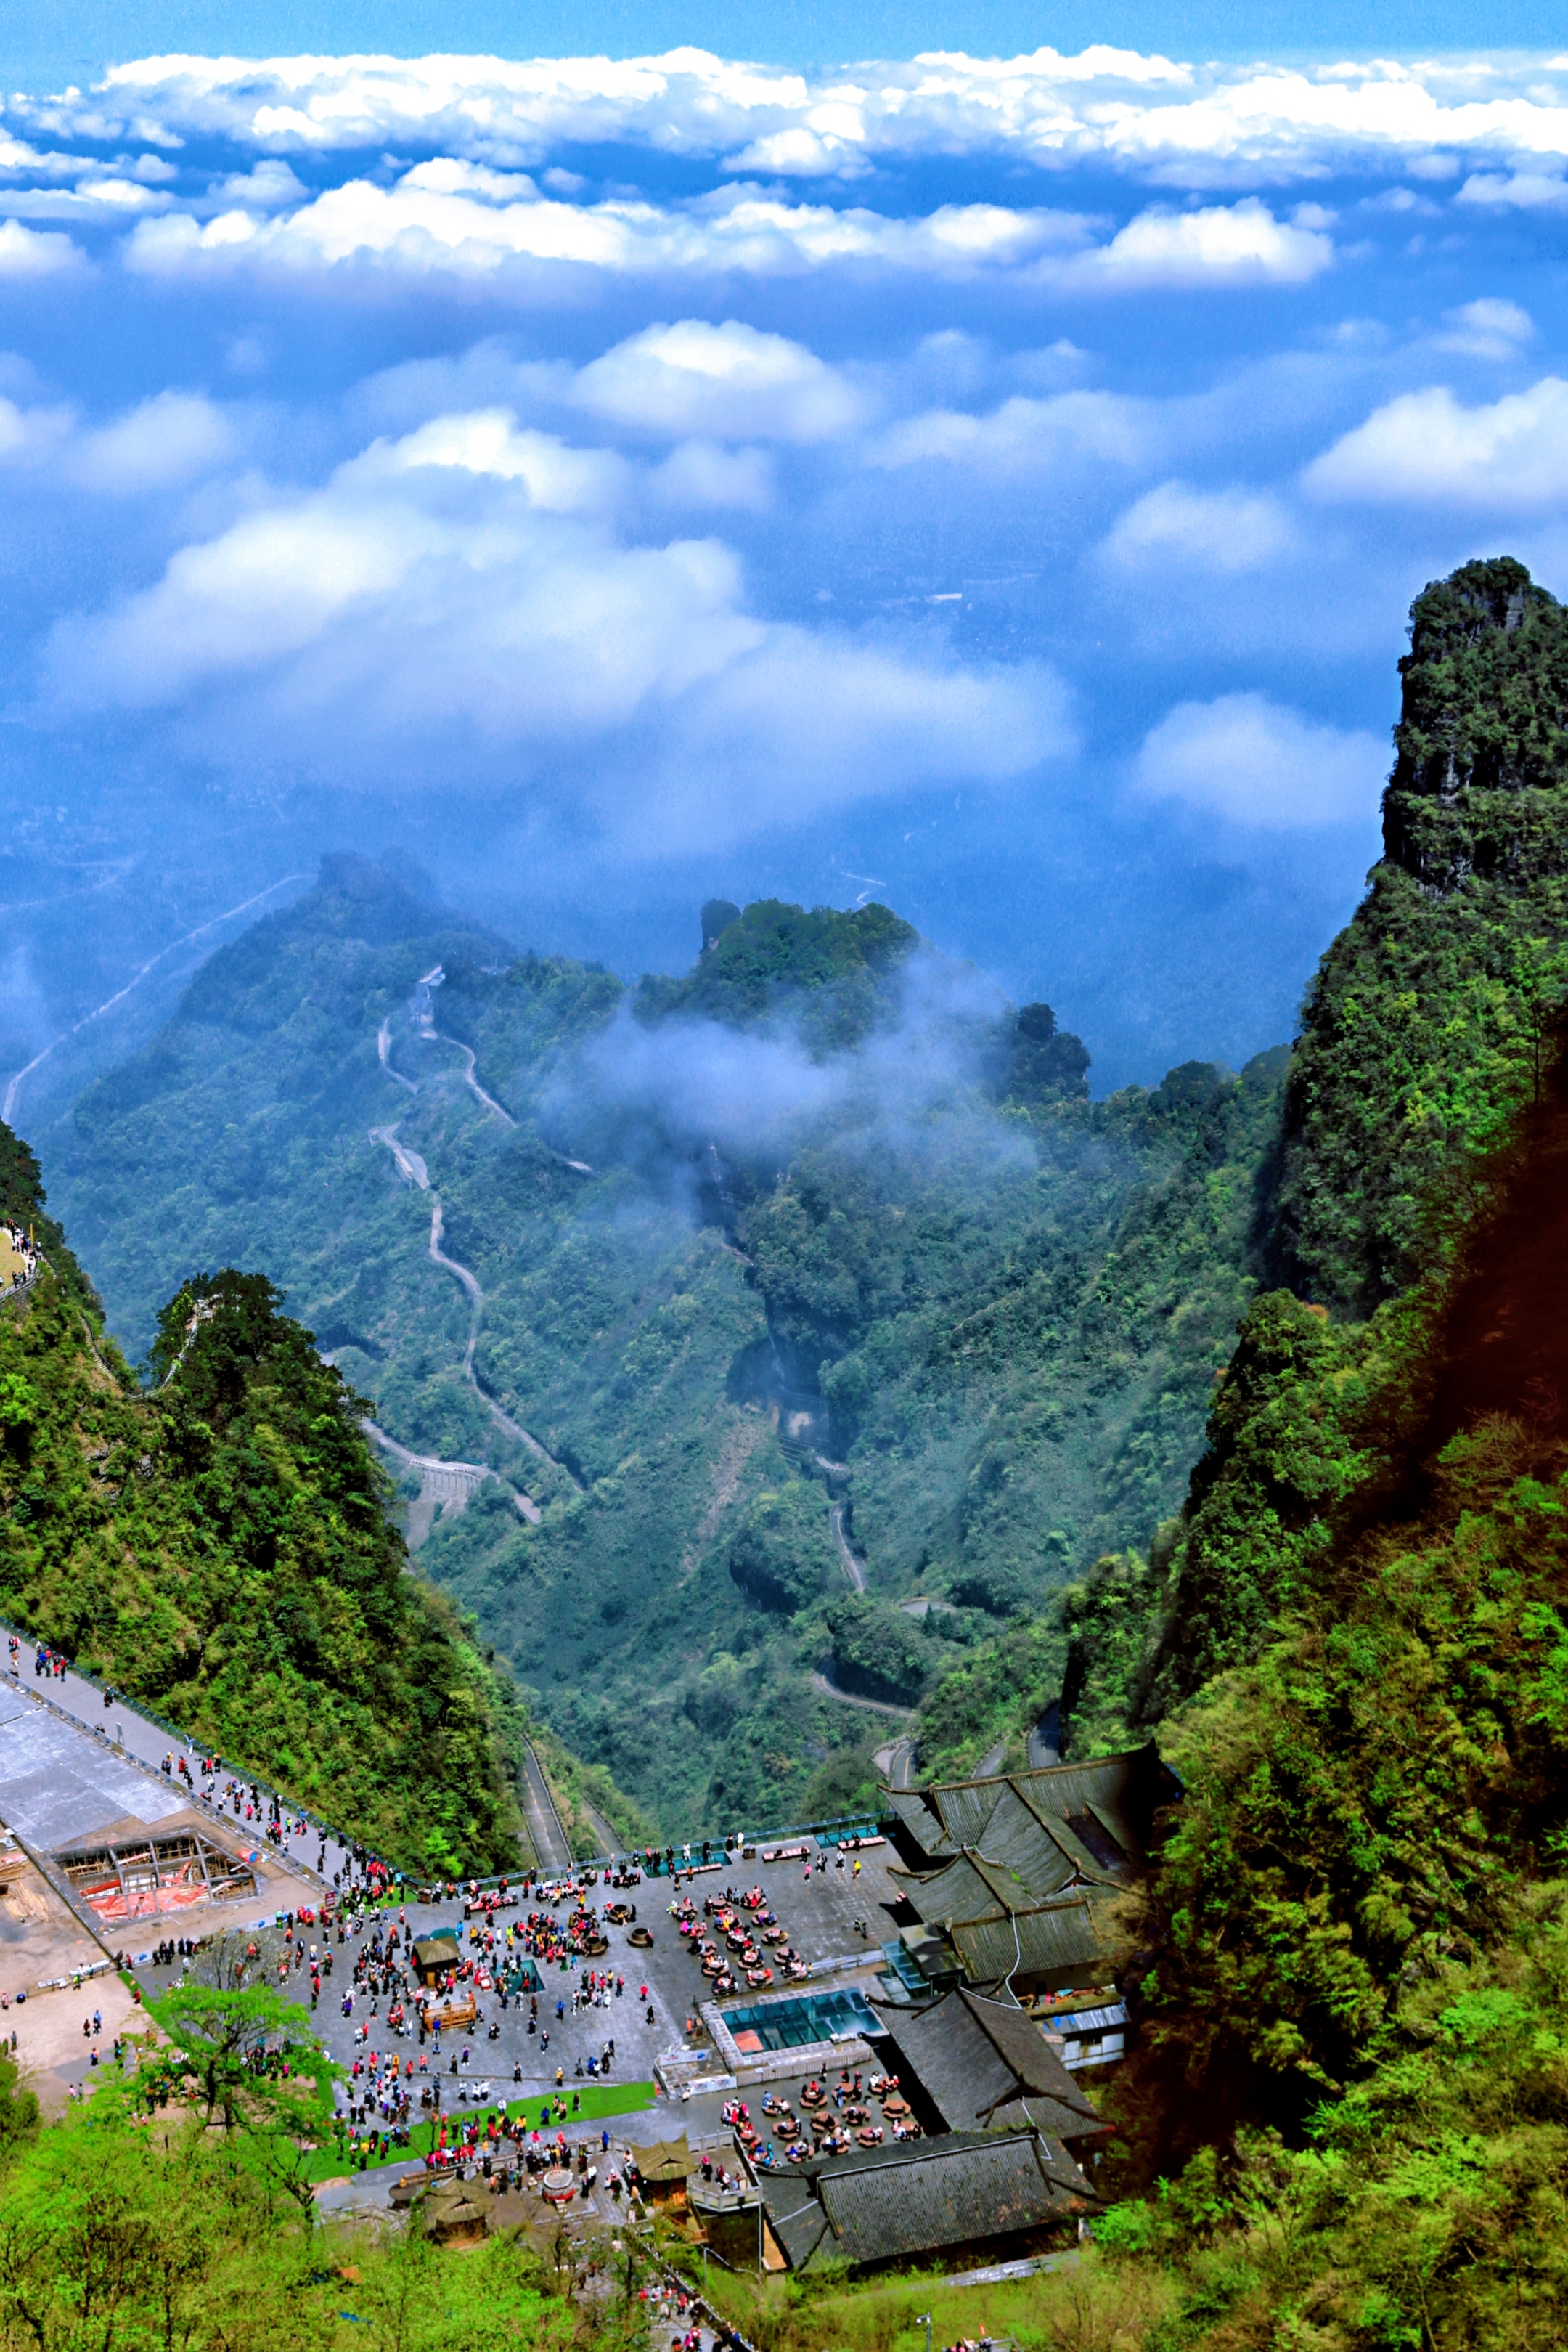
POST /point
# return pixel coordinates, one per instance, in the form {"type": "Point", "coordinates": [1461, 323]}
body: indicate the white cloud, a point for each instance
{"type": "Point", "coordinates": [1426, 448]}
{"type": "Point", "coordinates": [1144, 113]}
{"type": "Point", "coordinates": [17, 160]}
{"type": "Point", "coordinates": [1026, 435]}
{"type": "Point", "coordinates": [1240, 244]}
{"type": "Point", "coordinates": [1257, 763]}
{"type": "Point", "coordinates": [453, 217]}
{"type": "Point", "coordinates": [268, 187]}
{"type": "Point", "coordinates": [701, 474]}
{"type": "Point", "coordinates": [558, 479]}
{"type": "Point", "coordinates": [1526, 191]}
{"type": "Point", "coordinates": [171, 438]}
{"type": "Point", "coordinates": [105, 198]}
{"type": "Point", "coordinates": [30, 435]}
{"type": "Point", "coordinates": [802, 154]}
{"type": "Point", "coordinates": [801, 722]}
{"type": "Point", "coordinates": [1226, 530]}
{"type": "Point", "coordinates": [1487, 328]}
{"type": "Point", "coordinates": [422, 619]}
{"type": "Point", "coordinates": [35, 253]}
{"type": "Point", "coordinates": [726, 383]}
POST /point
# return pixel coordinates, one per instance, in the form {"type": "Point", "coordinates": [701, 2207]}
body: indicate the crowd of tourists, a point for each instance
{"type": "Point", "coordinates": [19, 1263]}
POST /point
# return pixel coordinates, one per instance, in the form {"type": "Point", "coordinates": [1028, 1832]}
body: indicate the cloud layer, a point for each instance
{"type": "Point", "coordinates": [458, 606]}
{"type": "Point", "coordinates": [1005, 479]}
{"type": "Point", "coordinates": [1138, 113]}
{"type": "Point", "coordinates": [1246, 758]}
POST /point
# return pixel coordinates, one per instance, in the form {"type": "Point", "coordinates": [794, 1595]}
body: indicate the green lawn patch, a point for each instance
{"type": "Point", "coordinates": [597, 2100]}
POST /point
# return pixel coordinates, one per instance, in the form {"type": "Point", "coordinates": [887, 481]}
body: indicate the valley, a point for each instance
{"type": "Point", "coordinates": [745, 1377]}
{"type": "Point", "coordinates": [1140, 1523]}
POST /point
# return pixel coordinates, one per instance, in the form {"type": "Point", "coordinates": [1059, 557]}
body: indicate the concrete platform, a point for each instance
{"type": "Point", "coordinates": [59, 1785]}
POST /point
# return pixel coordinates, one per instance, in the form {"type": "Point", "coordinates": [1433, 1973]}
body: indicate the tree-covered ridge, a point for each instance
{"type": "Point", "coordinates": [1434, 1012]}
{"type": "Point", "coordinates": [1482, 733]}
{"type": "Point", "coordinates": [220, 1549]}
{"type": "Point", "coordinates": [1351, 1641]}
{"type": "Point", "coordinates": [831, 973]}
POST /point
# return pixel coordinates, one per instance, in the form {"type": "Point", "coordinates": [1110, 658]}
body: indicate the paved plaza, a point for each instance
{"type": "Point", "coordinates": [820, 1917]}
{"type": "Point", "coordinates": [71, 1766]}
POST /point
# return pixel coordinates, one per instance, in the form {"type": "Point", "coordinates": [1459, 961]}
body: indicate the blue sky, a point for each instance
{"type": "Point", "coordinates": [994, 482]}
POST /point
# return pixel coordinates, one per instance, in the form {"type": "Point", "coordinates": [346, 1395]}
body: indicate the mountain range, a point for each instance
{"type": "Point", "coordinates": [804, 1344]}
{"type": "Point", "coordinates": [783, 1297]}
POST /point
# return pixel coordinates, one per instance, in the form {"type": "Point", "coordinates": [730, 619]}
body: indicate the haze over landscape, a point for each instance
{"type": "Point", "coordinates": [783, 1099]}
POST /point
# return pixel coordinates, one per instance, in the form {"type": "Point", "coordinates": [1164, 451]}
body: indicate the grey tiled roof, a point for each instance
{"type": "Point", "coordinates": [881, 2204]}
{"type": "Point", "coordinates": [967, 1888]}
{"type": "Point", "coordinates": [1051, 2116]}
{"type": "Point", "coordinates": [1116, 1787]}
{"type": "Point", "coordinates": [1051, 1827]}
{"type": "Point", "coordinates": [973, 2057]}
{"type": "Point", "coordinates": [1028, 1944]}
{"type": "Point", "coordinates": [911, 1808]}
{"type": "Point", "coordinates": [959, 2069]}
{"type": "Point", "coordinates": [795, 2214]}
{"type": "Point", "coordinates": [965, 1808]}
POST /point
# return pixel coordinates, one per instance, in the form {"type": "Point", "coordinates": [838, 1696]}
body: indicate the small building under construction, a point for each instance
{"type": "Point", "coordinates": [153, 1873]}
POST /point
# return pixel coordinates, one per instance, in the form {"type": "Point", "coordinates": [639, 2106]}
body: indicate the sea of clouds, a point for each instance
{"type": "Point", "coordinates": [681, 455]}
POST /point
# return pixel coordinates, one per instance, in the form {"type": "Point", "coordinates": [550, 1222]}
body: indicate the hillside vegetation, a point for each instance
{"type": "Point", "coordinates": [1351, 1643]}
{"type": "Point", "coordinates": [823, 1218]}
{"type": "Point", "coordinates": [220, 1549]}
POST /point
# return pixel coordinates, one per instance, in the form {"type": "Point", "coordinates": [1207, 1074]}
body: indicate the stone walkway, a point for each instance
{"type": "Point", "coordinates": [69, 1765]}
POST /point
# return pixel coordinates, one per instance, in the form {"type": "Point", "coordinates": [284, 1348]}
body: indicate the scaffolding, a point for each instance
{"type": "Point", "coordinates": [144, 1877]}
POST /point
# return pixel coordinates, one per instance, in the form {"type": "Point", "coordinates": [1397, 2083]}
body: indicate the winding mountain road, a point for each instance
{"type": "Point", "coordinates": [383, 1051]}
{"type": "Point", "coordinates": [847, 1560]}
{"type": "Point", "coordinates": [898, 1762]}
{"type": "Point", "coordinates": [470, 1081]}
{"type": "Point", "coordinates": [819, 1681]}
{"type": "Point", "coordinates": [14, 1088]}
{"type": "Point", "coordinates": [1039, 1748]}
{"type": "Point", "coordinates": [442, 1481]}
{"type": "Point", "coordinates": [411, 1167]}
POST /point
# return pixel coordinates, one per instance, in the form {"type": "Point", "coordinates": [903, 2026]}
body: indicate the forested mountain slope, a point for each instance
{"type": "Point", "coordinates": [221, 1548]}
{"type": "Point", "coordinates": [815, 1263]}
{"type": "Point", "coordinates": [1353, 1643]}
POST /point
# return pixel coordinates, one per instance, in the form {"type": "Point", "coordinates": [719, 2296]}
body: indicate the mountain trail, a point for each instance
{"type": "Point", "coordinates": [609, 1843]}
{"type": "Point", "coordinates": [552, 1850]}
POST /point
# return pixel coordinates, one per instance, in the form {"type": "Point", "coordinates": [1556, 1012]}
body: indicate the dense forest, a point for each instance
{"type": "Point", "coordinates": [220, 1548]}
{"type": "Point", "coordinates": [1351, 1642]}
